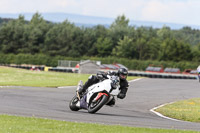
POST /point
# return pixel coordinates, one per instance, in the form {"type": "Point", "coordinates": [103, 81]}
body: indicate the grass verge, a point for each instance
{"type": "Point", "coordinates": [21, 77]}
{"type": "Point", "coordinates": [186, 110]}
{"type": "Point", "coordinates": [15, 124]}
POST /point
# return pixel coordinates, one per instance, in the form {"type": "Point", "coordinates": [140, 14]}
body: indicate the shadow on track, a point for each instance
{"type": "Point", "coordinates": [110, 114]}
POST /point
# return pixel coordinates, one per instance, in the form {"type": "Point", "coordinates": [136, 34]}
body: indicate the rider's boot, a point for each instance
{"type": "Point", "coordinates": [91, 80]}
{"type": "Point", "coordinates": [80, 88]}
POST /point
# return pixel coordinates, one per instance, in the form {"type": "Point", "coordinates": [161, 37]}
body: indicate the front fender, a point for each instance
{"type": "Point", "coordinates": [97, 95]}
{"type": "Point", "coordinates": [103, 86]}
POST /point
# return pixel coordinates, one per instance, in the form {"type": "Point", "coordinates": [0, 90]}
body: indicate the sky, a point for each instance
{"type": "Point", "coordinates": [173, 11]}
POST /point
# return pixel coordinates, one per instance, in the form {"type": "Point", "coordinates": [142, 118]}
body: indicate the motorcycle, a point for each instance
{"type": "Point", "coordinates": [96, 95]}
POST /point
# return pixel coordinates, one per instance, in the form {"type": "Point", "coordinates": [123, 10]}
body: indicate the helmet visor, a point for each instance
{"type": "Point", "coordinates": [122, 76]}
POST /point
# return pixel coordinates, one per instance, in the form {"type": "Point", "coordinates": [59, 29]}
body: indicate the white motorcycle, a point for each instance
{"type": "Point", "coordinates": [96, 95]}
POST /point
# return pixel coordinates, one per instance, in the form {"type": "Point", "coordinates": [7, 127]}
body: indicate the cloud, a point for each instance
{"type": "Point", "coordinates": [177, 11]}
{"type": "Point", "coordinates": [111, 8]}
{"type": "Point", "coordinates": [16, 6]}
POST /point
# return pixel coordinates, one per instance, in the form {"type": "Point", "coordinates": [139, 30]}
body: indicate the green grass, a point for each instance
{"type": "Point", "coordinates": [186, 110]}
{"type": "Point", "coordinates": [21, 77]}
{"type": "Point", "coordinates": [14, 124]}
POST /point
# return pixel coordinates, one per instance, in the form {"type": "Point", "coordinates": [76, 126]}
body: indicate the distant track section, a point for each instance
{"type": "Point", "coordinates": [162, 75]}
{"type": "Point", "coordinates": [131, 73]}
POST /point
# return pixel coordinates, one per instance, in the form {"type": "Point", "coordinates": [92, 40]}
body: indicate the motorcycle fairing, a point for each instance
{"type": "Point", "coordinates": [101, 87]}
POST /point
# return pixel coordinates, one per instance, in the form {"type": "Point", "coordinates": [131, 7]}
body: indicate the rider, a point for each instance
{"type": "Point", "coordinates": [122, 73]}
{"type": "Point", "coordinates": [198, 69]}
{"type": "Point", "coordinates": [198, 72]}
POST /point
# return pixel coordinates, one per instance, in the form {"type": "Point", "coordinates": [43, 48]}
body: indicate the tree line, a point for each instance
{"type": "Point", "coordinates": [120, 40]}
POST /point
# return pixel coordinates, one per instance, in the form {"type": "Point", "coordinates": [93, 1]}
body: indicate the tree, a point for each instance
{"type": "Point", "coordinates": [87, 41]}
{"type": "Point", "coordinates": [61, 40]}
{"type": "Point", "coordinates": [120, 21]}
{"type": "Point", "coordinates": [104, 46]}
{"type": "Point", "coordinates": [11, 36]}
{"type": "Point", "coordinates": [164, 33]}
{"type": "Point", "coordinates": [118, 29]}
{"type": "Point", "coordinates": [153, 46]}
{"type": "Point", "coordinates": [175, 50]}
{"type": "Point", "coordinates": [35, 34]}
{"type": "Point", "coordinates": [125, 48]}
{"type": "Point", "coordinates": [188, 35]}
{"type": "Point", "coordinates": [196, 53]}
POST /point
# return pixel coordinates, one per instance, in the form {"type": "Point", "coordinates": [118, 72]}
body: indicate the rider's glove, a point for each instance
{"type": "Point", "coordinates": [111, 73]}
{"type": "Point", "coordinates": [121, 95]}
{"type": "Point", "coordinates": [101, 75]}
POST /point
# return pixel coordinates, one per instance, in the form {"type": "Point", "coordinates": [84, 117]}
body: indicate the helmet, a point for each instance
{"type": "Point", "coordinates": [122, 73]}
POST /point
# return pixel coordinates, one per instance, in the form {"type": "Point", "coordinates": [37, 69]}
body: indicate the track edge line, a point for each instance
{"type": "Point", "coordinates": [161, 115]}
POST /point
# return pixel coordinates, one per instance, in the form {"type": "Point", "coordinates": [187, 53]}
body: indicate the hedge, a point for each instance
{"type": "Point", "coordinates": [41, 59]}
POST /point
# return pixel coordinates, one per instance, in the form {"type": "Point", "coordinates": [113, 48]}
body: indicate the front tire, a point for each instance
{"type": "Point", "coordinates": [73, 102]}
{"type": "Point", "coordinates": [95, 106]}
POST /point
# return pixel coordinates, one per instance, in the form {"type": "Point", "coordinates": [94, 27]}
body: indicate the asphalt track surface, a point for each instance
{"type": "Point", "coordinates": [134, 110]}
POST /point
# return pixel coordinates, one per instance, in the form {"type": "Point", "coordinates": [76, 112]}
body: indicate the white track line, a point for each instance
{"type": "Point", "coordinates": [159, 114]}
{"type": "Point", "coordinates": [65, 87]}
{"type": "Point", "coordinates": [6, 86]}
{"type": "Point", "coordinates": [135, 80]}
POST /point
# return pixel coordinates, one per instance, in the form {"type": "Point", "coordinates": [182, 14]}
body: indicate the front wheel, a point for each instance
{"type": "Point", "coordinates": [96, 105]}
{"type": "Point", "coordinates": [73, 102]}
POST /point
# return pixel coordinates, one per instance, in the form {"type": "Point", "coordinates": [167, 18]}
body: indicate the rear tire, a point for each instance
{"type": "Point", "coordinates": [73, 102]}
{"type": "Point", "coordinates": [94, 107]}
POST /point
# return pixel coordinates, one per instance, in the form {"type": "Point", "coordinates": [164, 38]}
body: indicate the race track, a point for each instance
{"type": "Point", "coordinates": [134, 110]}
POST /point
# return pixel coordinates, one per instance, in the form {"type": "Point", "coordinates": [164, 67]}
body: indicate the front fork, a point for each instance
{"type": "Point", "coordinates": [110, 98]}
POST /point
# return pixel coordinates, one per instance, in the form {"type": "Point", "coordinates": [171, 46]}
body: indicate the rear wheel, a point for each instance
{"type": "Point", "coordinates": [96, 105]}
{"type": "Point", "coordinates": [73, 102]}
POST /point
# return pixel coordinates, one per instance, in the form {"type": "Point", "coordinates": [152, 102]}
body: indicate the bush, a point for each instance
{"type": "Point", "coordinates": [41, 59]}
